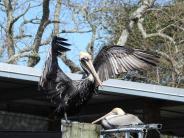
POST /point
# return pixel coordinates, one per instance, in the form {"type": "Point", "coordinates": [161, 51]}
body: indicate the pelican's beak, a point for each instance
{"type": "Point", "coordinates": [99, 119]}
{"type": "Point", "coordinates": [93, 72]}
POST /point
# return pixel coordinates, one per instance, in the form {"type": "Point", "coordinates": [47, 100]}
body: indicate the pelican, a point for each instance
{"type": "Point", "coordinates": [117, 118]}
{"type": "Point", "coordinates": [70, 95]}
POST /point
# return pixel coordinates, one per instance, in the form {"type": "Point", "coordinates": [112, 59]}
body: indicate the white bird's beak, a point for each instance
{"type": "Point", "coordinates": [99, 119]}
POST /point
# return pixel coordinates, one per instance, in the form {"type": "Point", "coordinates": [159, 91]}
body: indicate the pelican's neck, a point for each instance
{"type": "Point", "coordinates": [90, 77]}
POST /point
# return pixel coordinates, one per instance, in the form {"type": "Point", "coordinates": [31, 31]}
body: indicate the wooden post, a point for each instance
{"type": "Point", "coordinates": [79, 130]}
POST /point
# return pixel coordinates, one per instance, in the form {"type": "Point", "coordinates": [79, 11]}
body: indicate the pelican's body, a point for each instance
{"type": "Point", "coordinates": [74, 96]}
{"type": "Point", "coordinates": [70, 95]}
{"type": "Point", "coordinates": [117, 118]}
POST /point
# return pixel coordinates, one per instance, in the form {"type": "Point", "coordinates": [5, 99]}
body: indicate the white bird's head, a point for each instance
{"type": "Point", "coordinates": [115, 111]}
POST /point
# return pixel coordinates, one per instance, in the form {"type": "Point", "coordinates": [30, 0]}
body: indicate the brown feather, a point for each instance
{"type": "Point", "coordinates": [113, 60]}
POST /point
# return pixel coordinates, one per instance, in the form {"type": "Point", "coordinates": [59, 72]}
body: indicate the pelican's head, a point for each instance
{"type": "Point", "coordinates": [115, 111]}
{"type": "Point", "coordinates": [85, 55]}
{"type": "Point", "coordinates": [118, 111]}
{"type": "Point", "coordinates": [87, 66]}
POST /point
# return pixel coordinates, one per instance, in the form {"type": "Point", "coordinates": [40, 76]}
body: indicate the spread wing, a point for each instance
{"type": "Point", "coordinates": [51, 70]}
{"type": "Point", "coordinates": [113, 60]}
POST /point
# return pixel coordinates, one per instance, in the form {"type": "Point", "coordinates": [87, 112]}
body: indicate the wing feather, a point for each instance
{"type": "Point", "coordinates": [123, 65]}
{"type": "Point", "coordinates": [113, 60]}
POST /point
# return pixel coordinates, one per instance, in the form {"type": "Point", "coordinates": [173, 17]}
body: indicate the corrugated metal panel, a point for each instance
{"type": "Point", "coordinates": [141, 89]}
{"type": "Point", "coordinates": [19, 72]}
{"type": "Point", "coordinates": [25, 73]}
{"type": "Point", "coordinates": [17, 69]}
{"type": "Point", "coordinates": [110, 86]}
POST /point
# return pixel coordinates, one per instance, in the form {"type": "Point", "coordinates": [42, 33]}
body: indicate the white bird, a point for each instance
{"type": "Point", "coordinates": [117, 118]}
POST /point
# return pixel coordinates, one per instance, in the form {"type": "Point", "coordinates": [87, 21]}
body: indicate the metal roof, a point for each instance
{"type": "Point", "coordinates": [142, 89]}
{"type": "Point", "coordinates": [110, 86]}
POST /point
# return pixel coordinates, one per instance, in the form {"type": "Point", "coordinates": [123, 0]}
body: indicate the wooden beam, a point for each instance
{"type": "Point", "coordinates": [78, 130]}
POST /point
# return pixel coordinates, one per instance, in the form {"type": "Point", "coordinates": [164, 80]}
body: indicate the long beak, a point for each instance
{"type": "Point", "coordinates": [93, 72]}
{"type": "Point", "coordinates": [110, 113]}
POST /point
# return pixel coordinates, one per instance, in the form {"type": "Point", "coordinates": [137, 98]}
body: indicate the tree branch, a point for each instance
{"type": "Point", "coordinates": [22, 36]}
{"type": "Point", "coordinates": [46, 42]}
{"type": "Point", "coordinates": [137, 14]}
{"type": "Point", "coordinates": [19, 16]}
{"type": "Point", "coordinates": [170, 59]}
{"type": "Point", "coordinates": [159, 33]}
{"type": "Point", "coordinates": [23, 52]}
{"type": "Point", "coordinates": [75, 31]}
{"type": "Point", "coordinates": [73, 67]}
{"type": "Point", "coordinates": [125, 33]}
{"type": "Point", "coordinates": [90, 46]}
{"type": "Point", "coordinates": [9, 29]}
{"type": "Point", "coordinates": [87, 16]}
{"type": "Point", "coordinates": [3, 27]}
{"type": "Point", "coordinates": [37, 41]}
{"type": "Point", "coordinates": [21, 29]}
{"type": "Point", "coordinates": [15, 57]}
{"type": "Point", "coordinates": [56, 16]}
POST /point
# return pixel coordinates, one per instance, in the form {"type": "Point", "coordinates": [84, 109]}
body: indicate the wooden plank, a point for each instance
{"type": "Point", "coordinates": [79, 130]}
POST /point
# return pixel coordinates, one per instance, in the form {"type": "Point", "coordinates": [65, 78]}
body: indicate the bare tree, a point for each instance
{"type": "Point", "coordinates": [165, 27]}
{"type": "Point", "coordinates": [12, 35]}
{"type": "Point", "coordinates": [15, 52]}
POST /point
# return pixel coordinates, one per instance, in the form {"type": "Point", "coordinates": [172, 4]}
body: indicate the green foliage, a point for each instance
{"type": "Point", "coordinates": [170, 21]}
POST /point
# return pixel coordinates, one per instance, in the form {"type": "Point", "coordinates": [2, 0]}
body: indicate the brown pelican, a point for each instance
{"type": "Point", "coordinates": [117, 118]}
{"type": "Point", "coordinates": [70, 95]}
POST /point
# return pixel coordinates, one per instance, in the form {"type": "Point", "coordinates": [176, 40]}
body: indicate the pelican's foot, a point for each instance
{"type": "Point", "coordinates": [66, 122]}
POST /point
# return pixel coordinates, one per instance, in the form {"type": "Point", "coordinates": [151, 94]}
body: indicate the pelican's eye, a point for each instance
{"type": "Point", "coordinates": [85, 59]}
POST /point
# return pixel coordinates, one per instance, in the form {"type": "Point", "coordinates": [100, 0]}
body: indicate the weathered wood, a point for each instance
{"type": "Point", "coordinates": [79, 130]}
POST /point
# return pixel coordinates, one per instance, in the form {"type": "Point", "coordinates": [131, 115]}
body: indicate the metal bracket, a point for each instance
{"type": "Point", "coordinates": [140, 129]}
